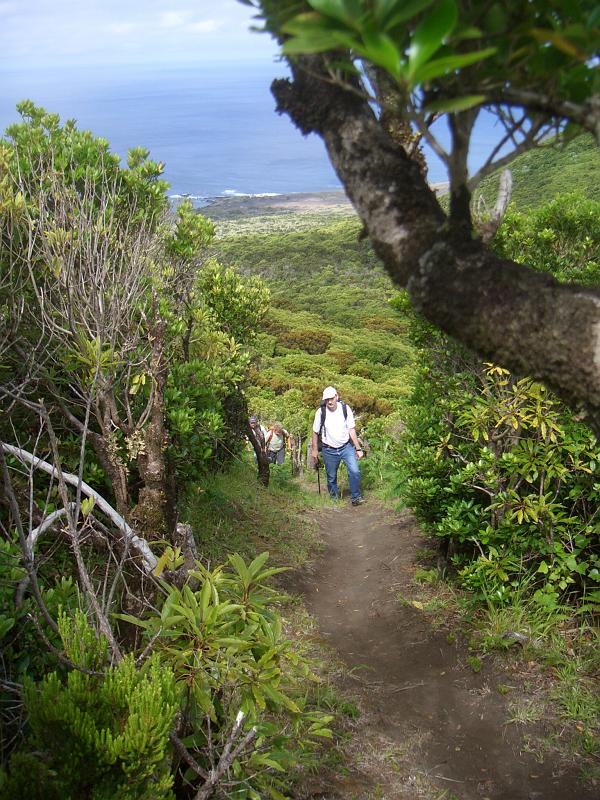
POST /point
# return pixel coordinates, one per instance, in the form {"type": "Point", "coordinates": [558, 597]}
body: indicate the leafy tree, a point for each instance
{"type": "Point", "coordinates": [533, 65]}
{"type": "Point", "coordinates": [112, 314]}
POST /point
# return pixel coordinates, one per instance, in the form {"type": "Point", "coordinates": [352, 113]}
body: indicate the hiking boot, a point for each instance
{"type": "Point", "coordinates": [359, 501]}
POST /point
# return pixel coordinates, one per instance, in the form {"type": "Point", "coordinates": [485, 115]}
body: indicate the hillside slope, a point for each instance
{"type": "Point", "coordinates": [541, 174]}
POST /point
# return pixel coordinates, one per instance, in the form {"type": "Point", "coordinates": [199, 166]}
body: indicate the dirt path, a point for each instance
{"type": "Point", "coordinates": [431, 721]}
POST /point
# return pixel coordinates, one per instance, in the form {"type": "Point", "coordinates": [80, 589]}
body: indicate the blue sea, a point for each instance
{"type": "Point", "coordinates": [215, 128]}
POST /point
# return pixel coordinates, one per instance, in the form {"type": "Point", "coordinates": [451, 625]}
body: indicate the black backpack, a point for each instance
{"type": "Point", "coordinates": [322, 425]}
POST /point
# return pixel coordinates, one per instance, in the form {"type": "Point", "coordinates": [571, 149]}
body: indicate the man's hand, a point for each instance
{"type": "Point", "coordinates": [359, 453]}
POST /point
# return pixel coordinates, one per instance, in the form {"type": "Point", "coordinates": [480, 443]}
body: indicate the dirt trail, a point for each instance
{"type": "Point", "coordinates": [443, 724]}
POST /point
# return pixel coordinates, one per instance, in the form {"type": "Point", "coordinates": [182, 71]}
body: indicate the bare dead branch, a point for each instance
{"type": "Point", "coordinates": [28, 561]}
{"type": "Point", "coordinates": [137, 543]}
{"type": "Point", "coordinates": [185, 754]}
{"type": "Point", "coordinates": [228, 756]}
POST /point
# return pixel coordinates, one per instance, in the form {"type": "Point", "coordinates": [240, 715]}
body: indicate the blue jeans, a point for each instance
{"type": "Point", "coordinates": [332, 457]}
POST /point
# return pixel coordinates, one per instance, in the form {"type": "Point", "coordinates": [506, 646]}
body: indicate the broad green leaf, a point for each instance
{"type": "Point", "coordinates": [441, 66]}
{"type": "Point", "coordinates": [310, 43]}
{"type": "Point", "coordinates": [431, 33]}
{"type": "Point", "coordinates": [344, 10]}
{"type": "Point", "coordinates": [308, 23]}
{"type": "Point", "coordinates": [266, 573]}
{"type": "Point", "coordinates": [456, 103]}
{"type": "Point", "coordinates": [87, 505]}
{"type": "Point", "coordinates": [5, 625]}
{"type": "Point", "coordinates": [205, 596]}
{"type": "Point", "coordinates": [381, 50]}
{"type": "Point", "coordinates": [171, 620]}
{"type": "Point", "coordinates": [134, 620]}
{"type": "Point", "coordinates": [160, 564]}
{"type": "Point", "coordinates": [202, 697]}
{"type": "Point", "coordinates": [272, 651]}
{"type": "Point", "coordinates": [225, 608]}
{"type": "Point", "coordinates": [403, 11]}
{"type": "Point", "coordinates": [137, 381]}
{"type": "Point", "coordinates": [468, 32]}
{"type": "Point", "coordinates": [232, 641]}
{"type": "Point", "coordinates": [278, 697]}
{"type": "Point", "coordinates": [323, 732]}
{"type": "Point", "coordinates": [258, 697]}
{"type": "Point", "coordinates": [240, 567]}
{"type": "Point", "coordinates": [561, 43]}
{"type": "Point", "coordinates": [257, 564]}
{"type": "Point", "coordinates": [275, 794]}
{"type": "Point", "coordinates": [189, 597]}
{"type": "Point", "coordinates": [268, 762]}
{"type": "Point", "coordinates": [543, 568]}
{"type": "Point", "coordinates": [184, 611]}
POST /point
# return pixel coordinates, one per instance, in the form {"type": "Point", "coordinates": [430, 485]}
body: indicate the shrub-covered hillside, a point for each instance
{"type": "Point", "coordinates": [330, 320]}
{"type": "Point", "coordinates": [540, 175]}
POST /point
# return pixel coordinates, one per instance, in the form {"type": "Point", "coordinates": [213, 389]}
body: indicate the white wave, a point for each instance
{"type": "Point", "coordinates": [235, 193]}
{"type": "Point", "coordinates": [188, 197]}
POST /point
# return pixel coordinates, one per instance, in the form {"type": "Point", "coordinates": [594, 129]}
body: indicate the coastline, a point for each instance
{"type": "Point", "coordinates": [333, 201]}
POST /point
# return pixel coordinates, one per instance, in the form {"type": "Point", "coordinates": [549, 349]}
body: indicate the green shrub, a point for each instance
{"type": "Point", "coordinates": [224, 642]}
{"type": "Point", "coordinates": [311, 340]}
{"type": "Point", "coordinates": [343, 358]}
{"type": "Point", "coordinates": [100, 735]}
{"type": "Point", "coordinates": [496, 466]}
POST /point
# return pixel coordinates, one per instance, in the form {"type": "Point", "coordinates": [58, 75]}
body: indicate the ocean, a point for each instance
{"type": "Point", "coordinates": [214, 127]}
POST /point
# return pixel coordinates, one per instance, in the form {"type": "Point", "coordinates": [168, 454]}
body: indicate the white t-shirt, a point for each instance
{"type": "Point", "coordinates": [335, 430]}
{"type": "Point", "coordinates": [274, 441]}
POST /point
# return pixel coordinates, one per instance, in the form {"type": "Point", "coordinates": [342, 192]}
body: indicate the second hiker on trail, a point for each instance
{"type": "Point", "coordinates": [275, 440]}
{"type": "Point", "coordinates": [333, 427]}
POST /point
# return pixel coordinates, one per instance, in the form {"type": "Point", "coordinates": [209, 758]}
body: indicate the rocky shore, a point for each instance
{"type": "Point", "coordinates": [332, 202]}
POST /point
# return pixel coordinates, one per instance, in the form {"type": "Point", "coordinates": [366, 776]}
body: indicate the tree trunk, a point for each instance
{"type": "Point", "coordinates": [258, 445]}
{"type": "Point", "coordinates": [155, 513]}
{"type": "Point", "coordinates": [296, 455]}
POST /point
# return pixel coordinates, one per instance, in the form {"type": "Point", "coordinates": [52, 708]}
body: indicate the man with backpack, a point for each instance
{"type": "Point", "coordinates": [333, 428]}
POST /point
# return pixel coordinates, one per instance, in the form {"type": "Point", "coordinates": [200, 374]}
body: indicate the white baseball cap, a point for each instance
{"type": "Point", "coordinates": [329, 392]}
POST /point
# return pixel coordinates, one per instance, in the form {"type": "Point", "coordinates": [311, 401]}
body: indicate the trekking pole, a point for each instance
{"type": "Point", "coordinates": [318, 476]}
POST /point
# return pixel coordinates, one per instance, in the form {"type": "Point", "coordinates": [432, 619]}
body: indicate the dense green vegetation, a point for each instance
{"type": "Point", "coordinates": [540, 175]}
{"type": "Point", "coordinates": [330, 320]}
{"type": "Point", "coordinates": [135, 342]}
{"type": "Point", "coordinates": [138, 658]}
{"type": "Point", "coordinates": [492, 464]}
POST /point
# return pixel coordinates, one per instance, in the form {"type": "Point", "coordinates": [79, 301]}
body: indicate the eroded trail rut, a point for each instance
{"type": "Point", "coordinates": [445, 723]}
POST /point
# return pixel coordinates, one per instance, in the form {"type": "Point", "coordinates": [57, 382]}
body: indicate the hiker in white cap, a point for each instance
{"type": "Point", "coordinates": [335, 436]}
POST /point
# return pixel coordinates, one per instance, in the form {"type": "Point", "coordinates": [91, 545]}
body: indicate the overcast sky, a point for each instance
{"type": "Point", "coordinates": [47, 33]}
